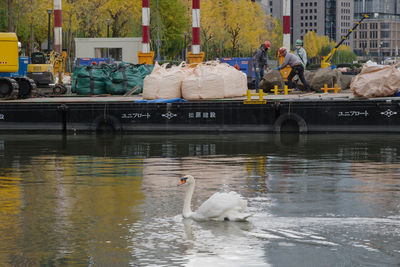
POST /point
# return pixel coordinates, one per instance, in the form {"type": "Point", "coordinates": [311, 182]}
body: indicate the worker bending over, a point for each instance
{"type": "Point", "coordinates": [296, 65]}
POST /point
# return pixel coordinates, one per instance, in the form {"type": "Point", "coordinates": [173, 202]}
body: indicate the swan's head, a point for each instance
{"type": "Point", "coordinates": [187, 179]}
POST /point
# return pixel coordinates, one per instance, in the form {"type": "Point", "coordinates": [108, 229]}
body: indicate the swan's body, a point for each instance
{"type": "Point", "coordinates": [219, 207]}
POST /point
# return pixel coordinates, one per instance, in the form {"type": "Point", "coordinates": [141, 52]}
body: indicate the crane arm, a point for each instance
{"type": "Point", "coordinates": [326, 61]}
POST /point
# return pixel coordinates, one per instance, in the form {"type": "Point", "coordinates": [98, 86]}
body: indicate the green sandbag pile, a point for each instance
{"type": "Point", "coordinates": [109, 79]}
{"type": "Point", "coordinates": [91, 80]}
{"type": "Point", "coordinates": [126, 77]}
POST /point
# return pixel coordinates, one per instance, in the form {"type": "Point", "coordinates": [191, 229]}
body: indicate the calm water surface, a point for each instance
{"type": "Point", "coordinates": [86, 200]}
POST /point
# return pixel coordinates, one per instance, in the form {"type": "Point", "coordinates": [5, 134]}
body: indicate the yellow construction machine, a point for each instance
{"type": "Point", "coordinates": [13, 80]}
{"type": "Point", "coordinates": [40, 70]}
{"type": "Point", "coordinates": [48, 70]}
{"type": "Point", "coordinates": [326, 62]}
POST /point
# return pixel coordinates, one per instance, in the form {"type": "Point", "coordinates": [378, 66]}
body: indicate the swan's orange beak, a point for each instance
{"type": "Point", "coordinates": [182, 182]}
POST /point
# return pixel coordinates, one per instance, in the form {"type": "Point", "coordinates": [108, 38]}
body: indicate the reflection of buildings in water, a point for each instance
{"type": "Point", "coordinates": [202, 149]}
{"type": "Point", "coordinates": [209, 172]}
{"type": "Point", "coordinates": [297, 174]}
{"type": "Point", "coordinates": [379, 183]}
{"type": "Point", "coordinates": [212, 174]}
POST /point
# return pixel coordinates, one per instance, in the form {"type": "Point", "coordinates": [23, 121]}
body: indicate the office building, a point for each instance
{"type": "Point", "coordinates": [333, 18]}
{"type": "Point", "coordinates": [379, 35]}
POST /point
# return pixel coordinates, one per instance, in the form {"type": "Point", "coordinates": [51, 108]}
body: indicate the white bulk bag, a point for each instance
{"type": "Point", "coordinates": [164, 82]}
{"type": "Point", "coordinates": [235, 81]}
{"type": "Point", "coordinates": [203, 83]}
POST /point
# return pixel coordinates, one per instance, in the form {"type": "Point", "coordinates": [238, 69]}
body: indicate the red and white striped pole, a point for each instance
{"type": "Point", "coordinates": [196, 26]}
{"type": "Point", "coordinates": [146, 26]}
{"type": "Point", "coordinates": [286, 23]}
{"type": "Point", "coordinates": [57, 26]}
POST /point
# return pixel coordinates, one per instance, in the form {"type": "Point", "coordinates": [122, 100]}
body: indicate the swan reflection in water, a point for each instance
{"type": "Point", "coordinates": [216, 243]}
{"type": "Point", "coordinates": [219, 207]}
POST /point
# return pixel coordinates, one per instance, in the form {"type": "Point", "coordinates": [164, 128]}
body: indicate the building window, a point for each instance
{"type": "Point", "coordinates": [115, 53]}
{"type": "Point", "coordinates": [385, 34]}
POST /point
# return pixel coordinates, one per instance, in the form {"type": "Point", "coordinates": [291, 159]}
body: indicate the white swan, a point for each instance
{"type": "Point", "coordinates": [219, 207]}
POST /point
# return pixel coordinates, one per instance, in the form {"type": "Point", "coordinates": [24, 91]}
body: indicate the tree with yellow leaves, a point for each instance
{"type": "Point", "coordinates": [314, 43]}
{"type": "Point", "coordinates": [237, 27]}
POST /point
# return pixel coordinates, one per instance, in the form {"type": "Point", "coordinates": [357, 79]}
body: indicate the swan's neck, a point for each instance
{"type": "Point", "coordinates": [187, 211]}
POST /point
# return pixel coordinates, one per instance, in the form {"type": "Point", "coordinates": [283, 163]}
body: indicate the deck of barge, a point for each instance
{"type": "Point", "coordinates": [107, 98]}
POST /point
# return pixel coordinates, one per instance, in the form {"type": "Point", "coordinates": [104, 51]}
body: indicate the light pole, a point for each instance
{"type": "Point", "coordinates": [108, 35]}
{"type": "Point", "coordinates": [49, 11]}
{"type": "Point", "coordinates": [158, 33]}
{"type": "Point", "coordinates": [184, 53]}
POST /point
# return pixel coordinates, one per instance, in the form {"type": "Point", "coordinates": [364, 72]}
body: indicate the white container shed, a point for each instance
{"type": "Point", "coordinates": [121, 49]}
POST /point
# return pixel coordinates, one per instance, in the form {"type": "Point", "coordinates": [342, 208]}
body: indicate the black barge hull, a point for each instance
{"type": "Point", "coordinates": [107, 114]}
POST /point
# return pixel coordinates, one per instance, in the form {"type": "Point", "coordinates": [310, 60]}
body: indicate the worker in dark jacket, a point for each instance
{"type": "Point", "coordinates": [261, 61]}
{"type": "Point", "coordinates": [296, 65]}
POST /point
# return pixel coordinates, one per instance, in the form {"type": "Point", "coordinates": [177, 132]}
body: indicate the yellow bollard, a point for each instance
{"type": "Point", "coordinates": [275, 90]}
{"type": "Point", "coordinates": [248, 95]}
{"type": "Point", "coordinates": [286, 90]}
{"type": "Point", "coordinates": [336, 88]}
{"type": "Point", "coordinates": [260, 94]}
{"type": "Point", "coordinates": [325, 89]}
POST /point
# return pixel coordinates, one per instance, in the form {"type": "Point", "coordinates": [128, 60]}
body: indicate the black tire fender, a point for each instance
{"type": "Point", "coordinates": [303, 128]}
{"type": "Point", "coordinates": [106, 123]}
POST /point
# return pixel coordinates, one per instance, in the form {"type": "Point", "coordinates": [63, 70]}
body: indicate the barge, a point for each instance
{"type": "Point", "coordinates": [302, 113]}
